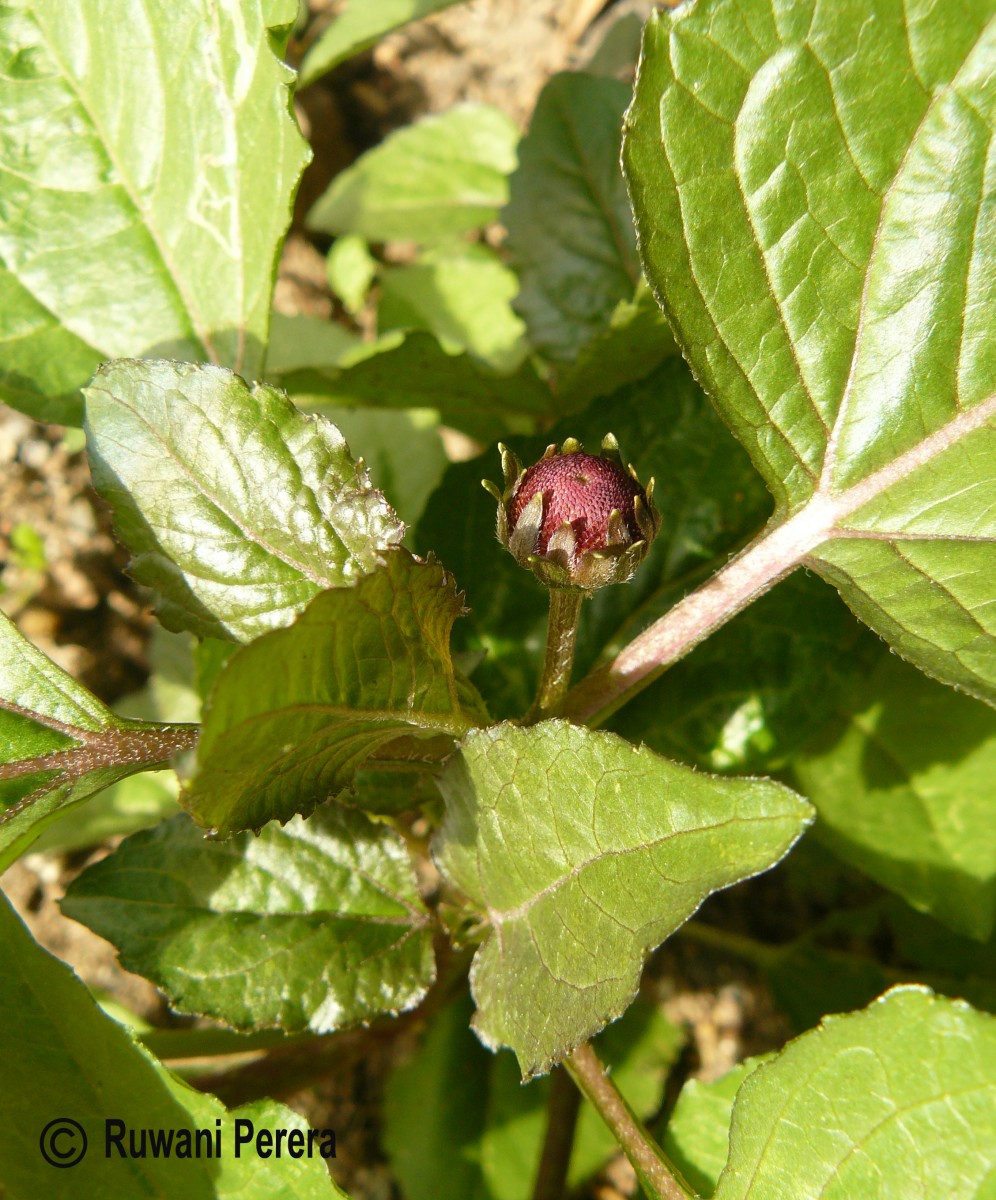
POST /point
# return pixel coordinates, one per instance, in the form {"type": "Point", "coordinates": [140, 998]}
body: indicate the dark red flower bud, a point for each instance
{"type": "Point", "coordinates": [576, 520]}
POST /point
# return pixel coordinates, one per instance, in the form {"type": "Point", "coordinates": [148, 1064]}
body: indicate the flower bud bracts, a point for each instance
{"type": "Point", "coordinates": [575, 520]}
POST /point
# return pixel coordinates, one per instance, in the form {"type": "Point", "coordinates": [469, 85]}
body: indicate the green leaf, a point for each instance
{"type": "Point", "coordinates": [461, 295]}
{"type": "Point", "coordinates": [903, 782]}
{"type": "Point", "coordinates": [562, 838]}
{"type": "Point", "coordinates": [635, 342]}
{"type": "Point", "coordinates": [759, 689]}
{"type": "Point", "coordinates": [147, 184]}
{"type": "Point", "coordinates": [357, 27]}
{"type": "Point", "coordinates": [296, 713]}
{"type": "Point", "coordinates": [237, 508]}
{"type": "Point", "coordinates": [59, 744]}
{"type": "Point", "coordinates": [455, 168]}
{"type": "Point", "coordinates": [570, 231]}
{"type": "Point", "coordinates": [487, 1128]}
{"type": "Point", "coordinates": [447, 1077]}
{"type": "Point", "coordinates": [639, 1050]}
{"type": "Point", "coordinates": [697, 1138]}
{"type": "Point", "coordinates": [403, 451]}
{"type": "Point", "coordinates": [64, 1058]}
{"type": "Point", "coordinates": [315, 925]}
{"type": "Point", "coordinates": [813, 214]}
{"type": "Point", "coordinates": [309, 343]}
{"type": "Point", "coordinates": [351, 270]}
{"type": "Point", "coordinates": [897, 1100]}
{"type": "Point", "coordinates": [416, 372]}
{"type": "Point", "coordinates": [709, 495]}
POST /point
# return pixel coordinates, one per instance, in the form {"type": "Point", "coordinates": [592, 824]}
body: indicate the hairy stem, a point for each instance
{"type": "Point", "coordinates": [561, 1121]}
{"type": "Point", "coordinates": [561, 638]}
{"type": "Point", "coordinates": [118, 745]}
{"type": "Point", "coordinates": [658, 1177]}
{"type": "Point", "coordinates": [751, 573]}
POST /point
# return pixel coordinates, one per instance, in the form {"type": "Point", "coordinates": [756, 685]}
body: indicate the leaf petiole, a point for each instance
{"type": "Point", "coordinates": [656, 1174]}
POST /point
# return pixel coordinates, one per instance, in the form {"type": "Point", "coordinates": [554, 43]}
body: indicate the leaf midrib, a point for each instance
{"type": "Point", "coordinates": [346, 716]}
{"type": "Point", "coordinates": [197, 325]}
{"type": "Point", "coordinates": [845, 504]}
{"type": "Point", "coordinates": [499, 918]}
{"type": "Point", "coordinates": [600, 203]}
{"type": "Point", "coordinates": [252, 536]}
{"type": "Point", "coordinates": [830, 452]}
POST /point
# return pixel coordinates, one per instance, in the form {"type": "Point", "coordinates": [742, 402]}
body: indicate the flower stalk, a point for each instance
{"type": "Point", "coordinates": [561, 639]}
{"type": "Point", "coordinates": [577, 521]}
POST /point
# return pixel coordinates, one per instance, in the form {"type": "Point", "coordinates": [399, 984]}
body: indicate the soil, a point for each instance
{"type": "Point", "coordinates": [62, 574]}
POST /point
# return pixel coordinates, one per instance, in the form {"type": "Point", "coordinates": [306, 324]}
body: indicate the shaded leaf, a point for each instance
{"type": "Point", "coordinates": [759, 689]}
{"type": "Point", "coordinates": [135, 803]}
{"type": "Point", "coordinates": [570, 230]}
{"type": "Point", "coordinates": [904, 782]}
{"type": "Point", "coordinates": [488, 1128]}
{"type": "Point", "coordinates": [446, 1077]}
{"type": "Point", "coordinates": [813, 214]}
{"type": "Point", "coordinates": [357, 27]}
{"type": "Point", "coordinates": [630, 347]}
{"type": "Point", "coordinates": [316, 925]}
{"type": "Point", "coordinates": [302, 343]}
{"type": "Point", "coordinates": [403, 451]}
{"type": "Point", "coordinates": [295, 714]}
{"type": "Point", "coordinates": [697, 1138]}
{"type": "Point", "coordinates": [846, 959]}
{"type": "Point", "coordinates": [583, 853]}
{"type": "Point", "coordinates": [351, 269]}
{"type": "Point", "coordinates": [619, 49]}
{"type": "Point", "coordinates": [146, 227]}
{"type": "Point", "coordinates": [943, 961]}
{"type": "Point", "coordinates": [59, 744]}
{"type": "Point", "coordinates": [394, 790]}
{"type": "Point", "coordinates": [63, 1056]}
{"type": "Point", "coordinates": [455, 167]}
{"type": "Point", "coordinates": [926, 941]}
{"type": "Point", "coordinates": [210, 655]}
{"type": "Point", "coordinates": [809, 980]}
{"type": "Point", "coordinates": [237, 508]}
{"type": "Point", "coordinates": [461, 295]}
{"type": "Point", "coordinates": [896, 1100]}
{"type": "Point", "coordinates": [416, 372]}
{"type": "Point", "coordinates": [639, 1050]}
